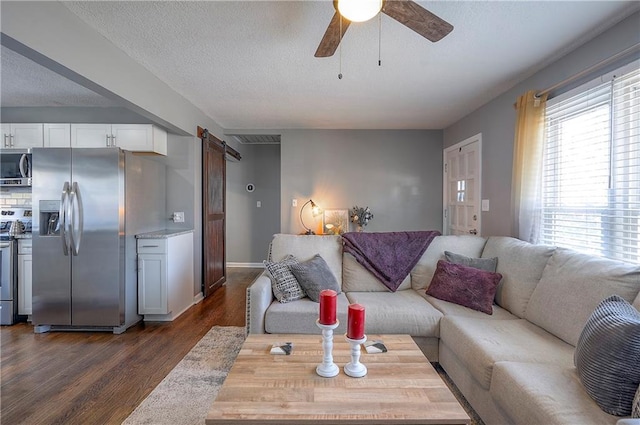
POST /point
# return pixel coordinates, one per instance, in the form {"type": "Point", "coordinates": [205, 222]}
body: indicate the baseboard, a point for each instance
{"type": "Point", "coordinates": [197, 298]}
{"type": "Point", "coordinates": [246, 265]}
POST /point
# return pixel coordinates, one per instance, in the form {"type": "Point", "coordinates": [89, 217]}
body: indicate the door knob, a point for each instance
{"type": "Point", "coordinates": [473, 231]}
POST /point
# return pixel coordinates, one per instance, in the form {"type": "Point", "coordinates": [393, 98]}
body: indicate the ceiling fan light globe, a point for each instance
{"type": "Point", "coordinates": [359, 10]}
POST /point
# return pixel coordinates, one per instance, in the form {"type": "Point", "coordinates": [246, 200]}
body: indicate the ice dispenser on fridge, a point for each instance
{"type": "Point", "coordinates": [49, 218]}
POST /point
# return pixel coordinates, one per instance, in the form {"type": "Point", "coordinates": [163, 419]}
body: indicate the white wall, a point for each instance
{"type": "Point", "coordinates": [397, 173]}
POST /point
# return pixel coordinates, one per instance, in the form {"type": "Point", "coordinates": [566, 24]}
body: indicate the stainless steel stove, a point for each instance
{"type": "Point", "coordinates": [9, 262]}
{"type": "Point", "coordinates": [9, 215]}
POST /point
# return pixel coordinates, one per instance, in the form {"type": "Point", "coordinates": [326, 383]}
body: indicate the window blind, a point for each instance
{"type": "Point", "coordinates": [591, 170]}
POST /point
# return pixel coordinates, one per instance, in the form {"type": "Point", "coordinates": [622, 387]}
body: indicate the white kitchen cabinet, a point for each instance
{"type": "Point", "coordinates": [22, 136]}
{"type": "Point", "coordinates": [90, 135]}
{"type": "Point", "coordinates": [131, 137]}
{"type": "Point", "coordinates": [140, 138]}
{"type": "Point", "coordinates": [24, 277]}
{"type": "Point", "coordinates": [165, 275]}
{"type": "Point", "coordinates": [57, 135]}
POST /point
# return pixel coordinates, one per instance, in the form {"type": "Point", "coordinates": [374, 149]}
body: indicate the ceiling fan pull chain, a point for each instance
{"type": "Point", "coordinates": [340, 52]}
{"type": "Point", "coordinates": [379, 39]}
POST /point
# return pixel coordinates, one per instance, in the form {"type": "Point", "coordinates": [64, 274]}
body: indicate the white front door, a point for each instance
{"type": "Point", "coordinates": [461, 187]}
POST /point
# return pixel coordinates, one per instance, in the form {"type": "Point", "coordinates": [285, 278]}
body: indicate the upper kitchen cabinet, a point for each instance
{"type": "Point", "coordinates": [132, 137]}
{"type": "Point", "coordinates": [57, 135]}
{"type": "Point", "coordinates": [22, 136]}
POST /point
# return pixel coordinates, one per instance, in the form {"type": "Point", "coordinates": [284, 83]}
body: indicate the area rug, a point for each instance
{"type": "Point", "coordinates": [185, 395]}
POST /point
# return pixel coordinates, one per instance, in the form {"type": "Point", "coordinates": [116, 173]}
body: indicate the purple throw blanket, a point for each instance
{"type": "Point", "coordinates": [389, 256]}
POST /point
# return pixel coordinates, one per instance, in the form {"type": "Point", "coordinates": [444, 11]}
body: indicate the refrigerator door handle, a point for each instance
{"type": "Point", "coordinates": [64, 220]}
{"type": "Point", "coordinates": [78, 218]}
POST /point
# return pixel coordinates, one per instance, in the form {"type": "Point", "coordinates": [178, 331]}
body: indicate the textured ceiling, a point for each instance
{"type": "Point", "coordinates": [250, 65]}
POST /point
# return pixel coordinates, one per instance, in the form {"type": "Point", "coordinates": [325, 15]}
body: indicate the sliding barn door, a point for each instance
{"type": "Point", "coordinates": [213, 204]}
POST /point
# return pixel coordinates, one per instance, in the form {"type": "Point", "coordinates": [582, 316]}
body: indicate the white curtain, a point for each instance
{"type": "Point", "coordinates": [527, 166]}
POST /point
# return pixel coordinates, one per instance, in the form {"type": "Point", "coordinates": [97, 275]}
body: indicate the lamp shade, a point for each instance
{"type": "Point", "coordinates": [359, 10]}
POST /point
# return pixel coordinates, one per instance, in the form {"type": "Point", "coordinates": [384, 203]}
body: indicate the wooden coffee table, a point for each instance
{"type": "Point", "coordinates": [401, 386]}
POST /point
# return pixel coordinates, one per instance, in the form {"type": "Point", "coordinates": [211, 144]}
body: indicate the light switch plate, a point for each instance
{"type": "Point", "coordinates": [294, 203]}
{"type": "Point", "coordinates": [178, 217]}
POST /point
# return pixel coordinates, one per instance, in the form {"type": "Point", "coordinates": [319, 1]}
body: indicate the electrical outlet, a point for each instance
{"type": "Point", "coordinates": [259, 204]}
{"type": "Point", "coordinates": [178, 217]}
{"type": "Point", "coordinates": [294, 203]}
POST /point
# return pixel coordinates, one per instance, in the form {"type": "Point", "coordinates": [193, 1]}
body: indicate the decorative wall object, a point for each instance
{"type": "Point", "coordinates": [336, 221]}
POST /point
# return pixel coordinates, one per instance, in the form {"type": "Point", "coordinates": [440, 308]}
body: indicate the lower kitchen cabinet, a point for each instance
{"type": "Point", "coordinates": [24, 276]}
{"type": "Point", "coordinates": [165, 276]}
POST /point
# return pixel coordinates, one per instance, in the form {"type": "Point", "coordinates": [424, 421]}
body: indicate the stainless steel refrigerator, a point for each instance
{"type": "Point", "coordinates": [88, 204]}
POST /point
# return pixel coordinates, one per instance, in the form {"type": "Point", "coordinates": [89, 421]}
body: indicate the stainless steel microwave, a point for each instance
{"type": "Point", "coordinates": [15, 168]}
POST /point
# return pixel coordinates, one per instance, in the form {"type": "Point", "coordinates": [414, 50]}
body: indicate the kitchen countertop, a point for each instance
{"type": "Point", "coordinates": [163, 234]}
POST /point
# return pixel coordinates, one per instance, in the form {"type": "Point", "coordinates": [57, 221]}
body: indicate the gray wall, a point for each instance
{"type": "Point", "coordinates": [184, 192]}
{"type": "Point", "coordinates": [249, 228]}
{"type": "Point", "coordinates": [60, 114]}
{"type": "Point", "coordinates": [496, 120]}
{"type": "Point", "coordinates": [398, 173]}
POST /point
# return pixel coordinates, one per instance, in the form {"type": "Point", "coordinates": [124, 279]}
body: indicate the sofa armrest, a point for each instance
{"type": "Point", "coordinates": [628, 421]}
{"type": "Point", "coordinates": [259, 298]}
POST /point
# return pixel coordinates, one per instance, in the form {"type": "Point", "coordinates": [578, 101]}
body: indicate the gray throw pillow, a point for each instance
{"type": "Point", "coordinates": [487, 264]}
{"type": "Point", "coordinates": [314, 276]}
{"type": "Point", "coordinates": [606, 355]}
{"type": "Point", "coordinates": [284, 284]}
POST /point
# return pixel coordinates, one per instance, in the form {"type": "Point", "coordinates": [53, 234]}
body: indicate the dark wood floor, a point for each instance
{"type": "Point", "coordinates": [100, 378]}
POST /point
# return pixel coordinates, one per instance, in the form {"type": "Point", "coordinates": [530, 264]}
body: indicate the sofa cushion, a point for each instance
{"type": "Point", "coordinates": [300, 316]}
{"type": "Point", "coordinates": [450, 309]}
{"type": "Point", "coordinates": [487, 264]}
{"type": "Point", "coordinates": [400, 312]}
{"type": "Point", "coordinates": [306, 246]}
{"type": "Point", "coordinates": [521, 265]}
{"type": "Point", "coordinates": [547, 394]}
{"type": "Point", "coordinates": [467, 286]}
{"type": "Point", "coordinates": [422, 272]}
{"type": "Point", "coordinates": [571, 287]}
{"type": "Point", "coordinates": [635, 410]}
{"type": "Point", "coordinates": [314, 276]}
{"type": "Point", "coordinates": [355, 278]}
{"type": "Point", "coordinates": [607, 355]}
{"type": "Point", "coordinates": [284, 284]}
{"type": "Point", "coordinates": [481, 343]}
{"type": "Point", "coordinates": [636, 302]}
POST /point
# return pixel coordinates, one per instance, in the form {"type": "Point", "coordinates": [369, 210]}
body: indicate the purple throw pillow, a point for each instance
{"type": "Point", "coordinates": [466, 286]}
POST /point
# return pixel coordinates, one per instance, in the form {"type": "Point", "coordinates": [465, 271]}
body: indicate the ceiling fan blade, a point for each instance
{"type": "Point", "coordinates": [414, 16]}
{"type": "Point", "coordinates": [332, 36]}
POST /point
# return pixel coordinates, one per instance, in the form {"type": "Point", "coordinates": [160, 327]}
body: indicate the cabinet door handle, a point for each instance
{"type": "Point", "coordinates": [150, 246]}
{"type": "Point", "coordinates": [6, 144]}
{"type": "Point", "coordinates": [113, 141]}
{"type": "Point", "coordinates": [11, 142]}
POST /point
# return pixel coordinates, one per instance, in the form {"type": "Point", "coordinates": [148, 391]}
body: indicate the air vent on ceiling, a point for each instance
{"type": "Point", "coordinates": [257, 139]}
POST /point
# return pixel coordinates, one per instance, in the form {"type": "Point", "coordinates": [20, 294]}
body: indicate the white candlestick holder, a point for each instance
{"type": "Point", "coordinates": [327, 369]}
{"type": "Point", "coordinates": [354, 368]}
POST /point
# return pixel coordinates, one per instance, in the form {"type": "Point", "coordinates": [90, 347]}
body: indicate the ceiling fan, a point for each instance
{"type": "Point", "coordinates": [407, 12]}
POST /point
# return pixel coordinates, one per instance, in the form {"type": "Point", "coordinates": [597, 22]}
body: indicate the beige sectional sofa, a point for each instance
{"type": "Point", "coordinates": [515, 366]}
